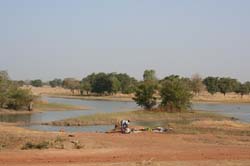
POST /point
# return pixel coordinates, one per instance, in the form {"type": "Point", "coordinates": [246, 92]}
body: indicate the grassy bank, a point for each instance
{"type": "Point", "coordinates": [44, 106]}
{"type": "Point", "coordinates": [195, 122]}
{"type": "Point", "coordinates": [138, 116]}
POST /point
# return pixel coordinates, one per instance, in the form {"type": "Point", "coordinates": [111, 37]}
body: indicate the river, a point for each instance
{"type": "Point", "coordinates": [33, 121]}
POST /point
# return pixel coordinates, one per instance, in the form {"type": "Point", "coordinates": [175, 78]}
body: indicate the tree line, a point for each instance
{"type": "Point", "coordinates": [95, 83]}
{"type": "Point", "coordinates": [112, 83]}
{"type": "Point", "coordinates": [174, 92]}
{"type": "Point", "coordinates": [225, 85]}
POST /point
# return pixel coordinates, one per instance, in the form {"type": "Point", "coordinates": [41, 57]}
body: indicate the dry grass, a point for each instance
{"type": "Point", "coordinates": [220, 98]}
{"type": "Point", "coordinates": [49, 90]}
{"type": "Point", "coordinates": [45, 106]}
{"type": "Point", "coordinates": [221, 124]}
{"type": "Point", "coordinates": [17, 138]}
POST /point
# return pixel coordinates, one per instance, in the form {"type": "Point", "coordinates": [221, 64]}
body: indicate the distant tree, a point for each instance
{"type": "Point", "coordinates": [4, 75]}
{"type": "Point", "coordinates": [72, 84]}
{"type": "Point", "coordinates": [128, 83]}
{"type": "Point", "coordinates": [116, 84]}
{"type": "Point", "coordinates": [196, 84]}
{"type": "Point", "coordinates": [170, 77]}
{"type": "Point", "coordinates": [36, 83]}
{"type": "Point", "coordinates": [247, 84]}
{"type": "Point", "coordinates": [149, 75]}
{"type": "Point", "coordinates": [227, 85]}
{"type": "Point", "coordinates": [187, 81]}
{"type": "Point", "coordinates": [243, 89]}
{"type": "Point", "coordinates": [175, 94]}
{"type": "Point", "coordinates": [101, 84]}
{"type": "Point", "coordinates": [85, 86]}
{"type": "Point", "coordinates": [109, 83]}
{"type": "Point", "coordinates": [56, 82]}
{"type": "Point", "coordinates": [144, 95]}
{"type": "Point", "coordinates": [90, 78]}
{"type": "Point", "coordinates": [212, 84]}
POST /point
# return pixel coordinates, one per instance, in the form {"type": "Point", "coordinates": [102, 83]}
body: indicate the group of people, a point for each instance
{"type": "Point", "coordinates": [126, 130]}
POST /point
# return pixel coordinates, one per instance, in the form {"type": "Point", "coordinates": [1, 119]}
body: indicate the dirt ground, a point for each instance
{"type": "Point", "coordinates": [133, 149]}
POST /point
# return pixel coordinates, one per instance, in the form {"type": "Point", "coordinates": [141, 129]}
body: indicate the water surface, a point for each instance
{"type": "Point", "coordinates": [33, 121]}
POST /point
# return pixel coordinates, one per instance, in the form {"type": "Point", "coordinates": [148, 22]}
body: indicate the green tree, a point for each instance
{"type": "Point", "coordinates": [144, 95]}
{"type": "Point", "coordinates": [212, 84]}
{"type": "Point", "coordinates": [4, 86]}
{"type": "Point", "coordinates": [18, 98]}
{"type": "Point", "coordinates": [149, 75]}
{"type": "Point", "coordinates": [196, 84]}
{"type": "Point", "coordinates": [243, 89]}
{"type": "Point", "coordinates": [227, 85]}
{"type": "Point", "coordinates": [110, 83]}
{"type": "Point", "coordinates": [72, 84]}
{"type": "Point", "coordinates": [101, 84]}
{"type": "Point", "coordinates": [171, 77]}
{"type": "Point", "coordinates": [56, 82]}
{"type": "Point", "coordinates": [128, 83]}
{"type": "Point", "coordinates": [116, 84]}
{"type": "Point", "coordinates": [85, 86]}
{"type": "Point", "coordinates": [247, 84]}
{"type": "Point", "coordinates": [175, 95]}
{"type": "Point", "coordinates": [11, 95]}
{"type": "Point", "coordinates": [36, 83]}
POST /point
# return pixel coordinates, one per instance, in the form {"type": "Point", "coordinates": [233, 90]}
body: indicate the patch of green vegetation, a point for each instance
{"type": "Point", "coordinates": [41, 145]}
{"type": "Point", "coordinates": [2, 146]}
{"type": "Point", "coordinates": [136, 116]}
{"type": "Point", "coordinates": [56, 106]}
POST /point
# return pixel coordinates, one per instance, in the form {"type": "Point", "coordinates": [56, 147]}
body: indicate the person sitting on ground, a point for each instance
{"type": "Point", "coordinates": [124, 125]}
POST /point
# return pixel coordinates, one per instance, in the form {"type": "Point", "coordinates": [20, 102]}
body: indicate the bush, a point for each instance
{"type": "Point", "coordinates": [18, 98]}
{"type": "Point", "coordinates": [11, 95]}
{"type": "Point", "coordinates": [37, 83]}
{"type": "Point", "coordinates": [144, 95]}
{"type": "Point", "coordinates": [175, 94]}
{"type": "Point", "coordinates": [30, 145]}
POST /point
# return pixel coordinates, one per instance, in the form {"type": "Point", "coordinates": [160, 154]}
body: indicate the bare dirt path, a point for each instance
{"type": "Point", "coordinates": [136, 149]}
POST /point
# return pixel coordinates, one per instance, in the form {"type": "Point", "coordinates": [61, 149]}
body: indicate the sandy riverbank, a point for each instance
{"type": "Point", "coordinates": [117, 149]}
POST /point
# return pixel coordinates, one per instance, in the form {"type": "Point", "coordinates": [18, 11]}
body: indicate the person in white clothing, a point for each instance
{"type": "Point", "coordinates": [124, 125]}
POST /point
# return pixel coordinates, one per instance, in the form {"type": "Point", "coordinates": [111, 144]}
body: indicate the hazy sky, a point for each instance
{"type": "Point", "coordinates": [72, 38]}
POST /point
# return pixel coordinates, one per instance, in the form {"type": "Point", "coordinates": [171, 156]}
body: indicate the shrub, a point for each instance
{"type": "Point", "coordinates": [175, 94]}
{"type": "Point", "coordinates": [42, 145]}
{"type": "Point", "coordinates": [18, 98]}
{"type": "Point", "coordinates": [144, 95]}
